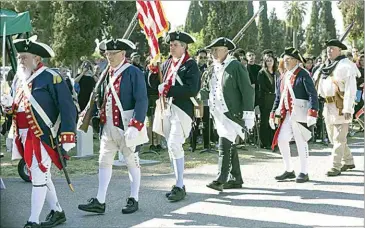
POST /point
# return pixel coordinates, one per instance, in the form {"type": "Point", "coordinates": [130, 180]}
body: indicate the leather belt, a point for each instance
{"type": "Point", "coordinates": [329, 99]}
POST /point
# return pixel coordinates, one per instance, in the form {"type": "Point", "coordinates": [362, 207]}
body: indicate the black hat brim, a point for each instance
{"type": "Point", "coordinates": [222, 42]}
{"type": "Point", "coordinates": [33, 47]}
{"type": "Point", "coordinates": [180, 36]}
{"type": "Point", "coordinates": [336, 43]}
{"type": "Point", "coordinates": [119, 44]}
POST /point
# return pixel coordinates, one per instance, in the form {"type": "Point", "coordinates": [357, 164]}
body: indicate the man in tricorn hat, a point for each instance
{"type": "Point", "coordinates": [296, 107]}
{"type": "Point", "coordinates": [231, 103]}
{"type": "Point", "coordinates": [337, 85]}
{"type": "Point", "coordinates": [41, 99]}
{"type": "Point", "coordinates": [173, 117]}
{"type": "Point", "coordinates": [122, 103]}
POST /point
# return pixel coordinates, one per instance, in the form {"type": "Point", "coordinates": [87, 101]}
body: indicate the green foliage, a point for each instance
{"type": "Point", "coordinates": [194, 20]}
{"type": "Point", "coordinates": [277, 29]}
{"type": "Point", "coordinates": [75, 29]}
{"type": "Point", "coordinates": [295, 12]}
{"type": "Point", "coordinates": [354, 11]}
{"type": "Point", "coordinates": [193, 48]}
{"type": "Point", "coordinates": [313, 46]}
{"type": "Point", "coordinates": [327, 22]}
{"type": "Point", "coordinates": [264, 34]}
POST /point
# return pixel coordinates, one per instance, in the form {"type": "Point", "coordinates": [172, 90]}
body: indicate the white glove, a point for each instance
{"type": "Point", "coordinates": [272, 123]}
{"type": "Point", "coordinates": [249, 123]}
{"type": "Point", "coordinates": [131, 133]}
{"type": "Point", "coordinates": [6, 100]}
{"type": "Point", "coordinates": [68, 146]}
{"type": "Point", "coordinates": [161, 87]}
{"type": "Point", "coordinates": [311, 120]}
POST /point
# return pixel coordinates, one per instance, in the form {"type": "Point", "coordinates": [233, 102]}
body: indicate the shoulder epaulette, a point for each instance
{"type": "Point", "coordinates": [56, 76]}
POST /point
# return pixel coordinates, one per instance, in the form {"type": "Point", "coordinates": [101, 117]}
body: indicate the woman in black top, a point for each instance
{"type": "Point", "coordinates": [266, 81]}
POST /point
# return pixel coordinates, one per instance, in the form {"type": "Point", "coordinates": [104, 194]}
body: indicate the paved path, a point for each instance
{"type": "Point", "coordinates": [263, 202]}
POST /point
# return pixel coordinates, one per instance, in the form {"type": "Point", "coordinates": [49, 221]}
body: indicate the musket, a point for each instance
{"type": "Point", "coordinates": [240, 34]}
{"type": "Point", "coordinates": [88, 112]}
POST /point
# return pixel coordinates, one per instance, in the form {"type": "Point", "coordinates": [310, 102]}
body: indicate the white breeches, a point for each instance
{"type": "Point", "coordinates": [38, 176]}
{"type": "Point", "coordinates": [287, 132]}
{"type": "Point", "coordinates": [173, 130]}
{"type": "Point", "coordinates": [112, 140]}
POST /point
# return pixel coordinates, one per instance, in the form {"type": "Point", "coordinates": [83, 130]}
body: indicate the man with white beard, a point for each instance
{"type": "Point", "coordinates": [41, 95]}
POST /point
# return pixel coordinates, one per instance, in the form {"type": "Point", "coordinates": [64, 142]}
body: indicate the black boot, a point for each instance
{"type": "Point", "coordinates": [224, 160]}
{"type": "Point", "coordinates": [346, 167]}
{"type": "Point", "coordinates": [235, 180]}
{"type": "Point", "coordinates": [32, 225]}
{"type": "Point", "coordinates": [215, 185]}
{"type": "Point", "coordinates": [169, 193]}
{"type": "Point", "coordinates": [177, 194]}
{"type": "Point", "coordinates": [93, 206]}
{"type": "Point", "coordinates": [53, 219]}
{"type": "Point", "coordinates": [286, 175]}
{"type": "Point", "coordinates": [131, 207]}
{"type": "Point", "coordinates": [302, 178]}
{"type": "Point", "coordinates": [232, 185]}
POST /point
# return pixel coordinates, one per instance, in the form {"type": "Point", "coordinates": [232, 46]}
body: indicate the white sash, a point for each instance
{"type": "Point", "coordinates": [126, 116]}
{"type": "Point", "coordinates": [53, 127]}
{"type": "Point", "coordinates": [299, 113]}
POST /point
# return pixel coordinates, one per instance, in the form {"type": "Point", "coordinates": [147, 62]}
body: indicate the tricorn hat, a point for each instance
{"type": "Point", "coordinates": [119, 44]}
{"type": "Point", "coordinates": [180, 36]}
{"type": "Point", "coordinates": [222, 42]}
{"type": "Point", "coordinates": [336, 43]}
{"type": "Point", "coordinates": [33, 47]}
{"type": "Point", "coordinates": [293, 52]}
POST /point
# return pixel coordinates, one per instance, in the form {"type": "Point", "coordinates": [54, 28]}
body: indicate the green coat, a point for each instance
{"type": "Point", "coordinates": [238, 92]}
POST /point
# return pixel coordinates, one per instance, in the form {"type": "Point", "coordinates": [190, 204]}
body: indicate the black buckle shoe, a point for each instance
{"type": "Point", "coordinates": [32, 225]}
{"type": "Point", "coordinates": [333, 172]}
{"type": "Point", "coordinates": [53, 219]}
{"type": "Point", "coordinates": [169, 193]}
{"type": "Point", "coordinates": [131, 207]}
{"type": "Point", "coordinates": [346, 167]}
{"type": "Point", "coordinates": [302, 178]}
{"type": "Point", "coordinates": [232, 185]}
{"type": "Point", "coordinates": [93, 206]}
{"type": "Point", "coordinates": [216, 186]}
{"type": "Point", "coordinates": [176, 194]}
{"type": "Point", "coordinates": [286, 175]}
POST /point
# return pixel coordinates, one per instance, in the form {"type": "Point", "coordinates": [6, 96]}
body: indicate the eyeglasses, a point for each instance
{"type": "Point", "coordinates": [203, 57]}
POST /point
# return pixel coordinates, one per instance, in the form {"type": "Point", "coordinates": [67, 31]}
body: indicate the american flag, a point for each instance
{"type": "Point", "coordinates": [153, 22]}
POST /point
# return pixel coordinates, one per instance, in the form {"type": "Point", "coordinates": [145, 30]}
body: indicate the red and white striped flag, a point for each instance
{"type": "Point", "coordinates": [153, 22]}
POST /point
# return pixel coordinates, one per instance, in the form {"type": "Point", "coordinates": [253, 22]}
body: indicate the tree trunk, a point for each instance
{"type": "Point", "coordinates": [74, 69]}
{"type": "Point", "coordinates": [295, 39]}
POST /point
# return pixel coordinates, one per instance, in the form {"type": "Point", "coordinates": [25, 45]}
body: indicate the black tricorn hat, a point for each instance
{"type": "Point", "coordinates": [119, 44]}
{"type": "Point", "coordinates": [180, 36]}
{"type": "Point", "coordinates": [33, 47]}
{"type": "Point", "coordinates": [336, 43]}
{"type": "Point", "coordinates": [222, 42]}
{"type": "Point", "coordinates": [293, 52]}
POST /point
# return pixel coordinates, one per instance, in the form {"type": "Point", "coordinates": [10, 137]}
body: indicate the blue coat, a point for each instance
{"type": "Point", "coordinates": [190, 75]}
{"type": "Point", "coordinates": [133, 93]}
{"type": "Point", "coordinates": [53, 95]}
{"type": "Point", "coordinates": [303, 88]}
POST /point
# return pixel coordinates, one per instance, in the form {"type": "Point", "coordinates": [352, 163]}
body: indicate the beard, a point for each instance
{"type": "Point", "coordinates": [24, 72]}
